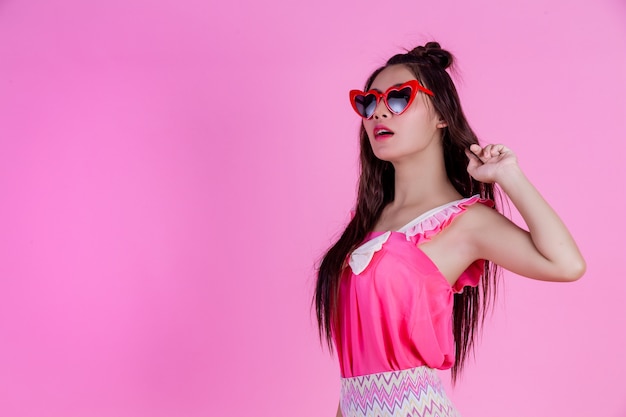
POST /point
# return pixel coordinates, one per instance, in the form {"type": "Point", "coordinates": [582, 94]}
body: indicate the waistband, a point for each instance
{"type": "Point", "coordinates": [415, 392]}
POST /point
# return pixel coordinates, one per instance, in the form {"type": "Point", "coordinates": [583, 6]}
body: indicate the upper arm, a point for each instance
{"type": "Point", "coordinates": [495, 238]}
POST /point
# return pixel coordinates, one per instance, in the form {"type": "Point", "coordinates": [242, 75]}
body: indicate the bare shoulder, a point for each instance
{"type": "Point", "coordinates": [483, 228]}
{"type": "Point", "coordinates": [479, 216]}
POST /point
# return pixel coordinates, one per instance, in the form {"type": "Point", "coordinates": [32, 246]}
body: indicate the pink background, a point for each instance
{"type": "Point", "coordinates": [171, 172]}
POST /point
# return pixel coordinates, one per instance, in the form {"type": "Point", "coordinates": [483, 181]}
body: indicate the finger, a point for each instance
{"type": "Point", "coordinates": [477, 152]}
{"type": "Point", "coordinates": [493, 150]}
{"type": "Point", "coordinates": [502, 149]}
{"type": "Point", "coordinates": [474, 161]}
{"type": "Point", "coordinates": [487, 152]}
{"type": "Point", "coordinates": [497, 150]}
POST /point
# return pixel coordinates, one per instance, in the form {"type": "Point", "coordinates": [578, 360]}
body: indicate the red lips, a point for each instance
{"type": "Point", "coordinates": [382, 132]}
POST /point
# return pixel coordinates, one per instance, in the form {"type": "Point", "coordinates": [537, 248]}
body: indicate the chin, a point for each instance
{"type": "Point", "coordinates": [385, 156]}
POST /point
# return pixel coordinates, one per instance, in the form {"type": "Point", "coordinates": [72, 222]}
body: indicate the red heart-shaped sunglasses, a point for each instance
{"type": "Point", "coordinates": [397, 98]}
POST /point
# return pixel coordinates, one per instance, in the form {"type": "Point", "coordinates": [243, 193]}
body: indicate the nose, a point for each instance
{"type": "Point", "coordinates": [381, 111]}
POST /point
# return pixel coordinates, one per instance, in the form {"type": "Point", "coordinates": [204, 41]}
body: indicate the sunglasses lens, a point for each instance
{"type": "Point", "coordinates": [365, 104]}
{"type": "Point", "coordinates": [399, 99]}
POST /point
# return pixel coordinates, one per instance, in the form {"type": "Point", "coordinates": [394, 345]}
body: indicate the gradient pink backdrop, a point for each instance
{"type": "Point", "coordinates": [170, 173]}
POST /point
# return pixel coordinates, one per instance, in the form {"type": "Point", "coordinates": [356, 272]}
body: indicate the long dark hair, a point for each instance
{"type": "Point", "coordinates": [376, 189]}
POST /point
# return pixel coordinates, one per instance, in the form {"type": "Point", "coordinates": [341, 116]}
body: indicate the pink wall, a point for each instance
{"type": "Point", "coordinates": [171, 171]}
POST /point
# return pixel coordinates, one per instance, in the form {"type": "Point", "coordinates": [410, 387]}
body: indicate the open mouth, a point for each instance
{"type": "Point", "coordinates": [382, 133]}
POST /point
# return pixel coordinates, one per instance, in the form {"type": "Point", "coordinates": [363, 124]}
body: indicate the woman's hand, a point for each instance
{"type": "Point", "coordinates": [490, 163]}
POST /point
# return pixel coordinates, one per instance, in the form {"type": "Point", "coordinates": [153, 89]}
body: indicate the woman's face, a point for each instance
{"type": "Point", "coordinates": [396, 137]}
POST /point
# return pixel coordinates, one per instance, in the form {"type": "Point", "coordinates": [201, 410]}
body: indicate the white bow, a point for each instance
{"type": "Point", "coordinates": [361, 256]}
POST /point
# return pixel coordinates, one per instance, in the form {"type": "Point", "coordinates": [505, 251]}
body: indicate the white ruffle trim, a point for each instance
{"type": "Point", "coordinates": [431, 221]}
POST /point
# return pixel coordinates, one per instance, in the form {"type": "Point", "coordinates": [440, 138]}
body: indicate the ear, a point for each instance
{"type": "Point", "coordinates": [441, 124]}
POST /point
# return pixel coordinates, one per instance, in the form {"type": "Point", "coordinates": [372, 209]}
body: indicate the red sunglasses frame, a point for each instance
{"type": "Point", "coordinates": [414, 85]}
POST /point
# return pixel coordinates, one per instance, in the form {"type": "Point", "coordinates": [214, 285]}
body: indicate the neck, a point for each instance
{"type": "Point", "coordinates": [423, 179]}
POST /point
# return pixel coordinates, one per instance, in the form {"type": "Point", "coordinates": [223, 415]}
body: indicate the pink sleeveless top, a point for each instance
{"type": "Point", "coordinates": [395, 307]}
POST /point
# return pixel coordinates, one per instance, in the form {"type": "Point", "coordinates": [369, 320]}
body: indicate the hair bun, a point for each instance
{"type": "Point", "coordinates": [433, 52]}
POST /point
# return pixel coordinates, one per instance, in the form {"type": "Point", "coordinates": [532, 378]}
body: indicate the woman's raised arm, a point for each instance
{"type": "Point", "coordinates": [547, 251]}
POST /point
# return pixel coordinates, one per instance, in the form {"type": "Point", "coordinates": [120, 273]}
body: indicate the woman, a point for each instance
{"type": "Point", "coordinates": [401, 292]}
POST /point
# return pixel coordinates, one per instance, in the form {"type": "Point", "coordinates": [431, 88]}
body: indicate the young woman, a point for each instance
{"type": "Point", "coordinates": [401, 292]}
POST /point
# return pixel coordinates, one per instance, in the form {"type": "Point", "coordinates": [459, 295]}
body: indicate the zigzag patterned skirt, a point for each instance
{"type": "Point", "coordinates": [415, 392]}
